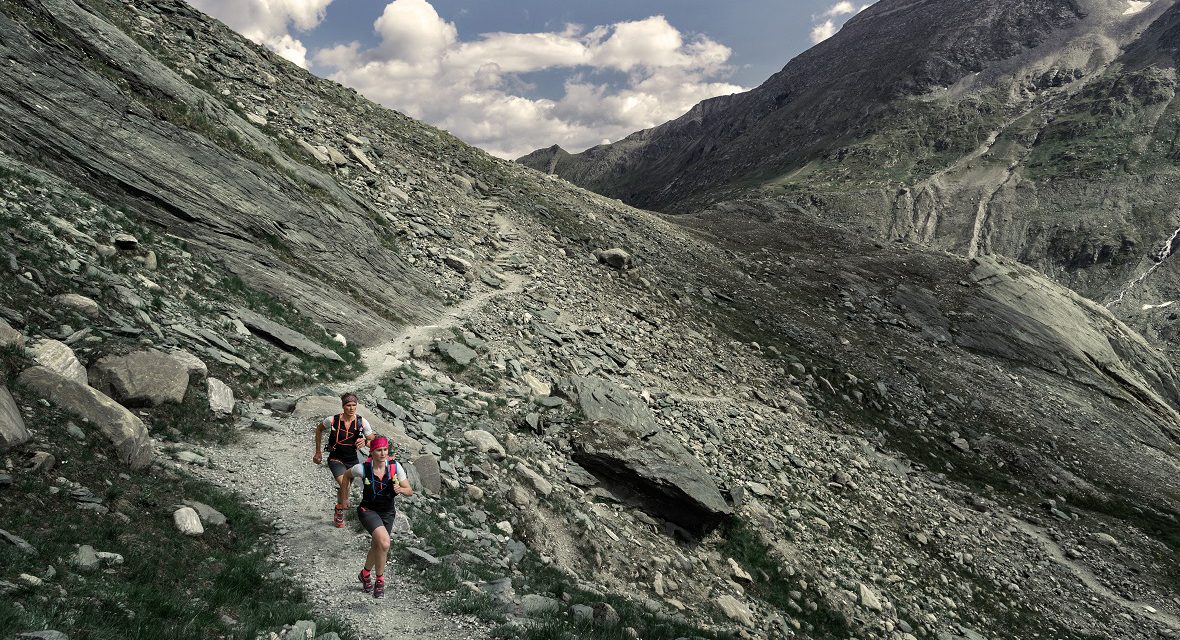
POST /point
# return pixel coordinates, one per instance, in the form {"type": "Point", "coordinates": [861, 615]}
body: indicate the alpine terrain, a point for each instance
{"type": "Point", "coordinates": [846, 396]}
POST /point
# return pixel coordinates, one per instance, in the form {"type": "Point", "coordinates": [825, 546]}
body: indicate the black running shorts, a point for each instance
{"type": "Point", "coordinates": [337, 467]}
{"type": "Point", "coordinates": [370, 519]}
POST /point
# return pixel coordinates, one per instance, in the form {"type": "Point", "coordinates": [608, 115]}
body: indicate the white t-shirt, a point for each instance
{"type": "Point", "coordinates": [399, 473]}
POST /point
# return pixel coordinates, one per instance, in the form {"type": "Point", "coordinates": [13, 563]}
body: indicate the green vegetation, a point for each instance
{"type": "Point", "coordinates": [743, 544]}
{"type": "Point", "coordinates": [220, 584]}
{"type": "Point", "coordinates": [191, 419]}
{"type": "Point", "coordinates": [1114, 126]}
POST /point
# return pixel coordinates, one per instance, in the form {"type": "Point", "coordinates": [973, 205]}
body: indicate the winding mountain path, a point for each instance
{"type": "Point", "coordinates": [274, 473]}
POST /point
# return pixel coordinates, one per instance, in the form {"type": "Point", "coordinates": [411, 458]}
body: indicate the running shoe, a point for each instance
{"type": "Point", "coordinates": [379, 587]}
{"type": "Point", "coordinates": [338, 517]}
{"type": "Point", "coordinates": [366, 581]}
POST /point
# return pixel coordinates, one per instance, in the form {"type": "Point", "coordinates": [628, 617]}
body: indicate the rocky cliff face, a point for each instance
{"type": "Point", "coordinates": [738, 420]}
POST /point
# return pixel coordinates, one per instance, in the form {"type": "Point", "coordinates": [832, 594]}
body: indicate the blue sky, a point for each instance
{"type": "Point", "coordinates": [513, 76]}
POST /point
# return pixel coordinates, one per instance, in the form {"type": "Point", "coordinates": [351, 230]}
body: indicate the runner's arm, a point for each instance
{"type": "Point", "coordinates": [403, 485]}
{"type": "Point", "coordinates": [317, 456]}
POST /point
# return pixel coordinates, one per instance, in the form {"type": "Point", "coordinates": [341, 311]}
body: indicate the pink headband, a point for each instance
{"type": "Point", "coordinates": [379, 442]}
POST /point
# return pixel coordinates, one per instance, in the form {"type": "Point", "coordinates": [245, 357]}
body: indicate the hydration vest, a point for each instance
{"type": "Point", "coordinates": [342, 442]}
{"type": "Point", "coordinates": [378, 493]}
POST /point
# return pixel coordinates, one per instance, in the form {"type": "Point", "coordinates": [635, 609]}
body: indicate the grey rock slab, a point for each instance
{"type": "Point", "coordinates": [59, 358]}
{"type": "Point", "coordinates": [13, 431]}
{"type": "Point", "coordinates": [209, 516]}
{"type": "Point", "coordinates": [314, 151]}
{"type": "Point", "coordinates": [80, 303]}
{"type": "Point", "coordinates": [458, 264]}
{"type": "Point", "coordinates": [221, 397]}
{"type": "Point", "coordinates": [485, 442]}
{"type": "Point", "coordinates": [539, 484]}
{"type": "Point", "coordinates": [868, 598]}
{"type": "Point", "coordinates": [145, 378]}
{"type": "Point", "coordinates": [621, 441]}
{"type": "Point", "coordinates": [423, 556]}
{"type": "Point", "coordinates": [735, 610]}
{"type": "Point", "coordinates": [125, 430]}
{"type": "Point", "coordinates": [428, 474]}
{"type": "Point", "coordinates": [48, 634]}
{"type": "Point", "coordinates": [285, 336]}
{"type": "Point", "coordinates": [456, 352]}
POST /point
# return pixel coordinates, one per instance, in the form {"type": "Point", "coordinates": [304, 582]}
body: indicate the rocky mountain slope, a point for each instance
{"type": "Point", "coordinates": [620, 423]}
{"type": "Point", "coordinates": [1042, 131]}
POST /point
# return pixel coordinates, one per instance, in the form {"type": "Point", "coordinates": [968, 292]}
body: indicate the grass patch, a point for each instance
{"type": "Point", "coordinates": [170, 586]}
{"type": "Point", "coordinates": [744, 545]}
{"type": "Point", "coordinates": [191, 420]}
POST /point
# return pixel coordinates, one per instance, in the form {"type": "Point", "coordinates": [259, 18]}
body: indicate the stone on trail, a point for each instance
{"type": "Point", "coordinates": [13, 431]}
{"type": "Point", "coordinates": [187, 521]}
{"type": "Point", "coordinates": [125, 430]}
{"type": "Point", "coordinates": [221, 397]}
{"type": "Point", "coordinates": [145, 378]}
{"type": "Point", "coordinates": [60, 359]}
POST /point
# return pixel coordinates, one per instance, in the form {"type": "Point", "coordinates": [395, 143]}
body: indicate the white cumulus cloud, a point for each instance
{"type": "Point", "coordinates": [825, 25]}
{"type": "Point", "coordinates": [618, 78]}
{"type": "Point", "coordinates": [269, 22]}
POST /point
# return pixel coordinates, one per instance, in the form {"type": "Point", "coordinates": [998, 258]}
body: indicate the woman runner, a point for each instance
{"type": "Point", "coordinates": [348, 431]}
{"type": "Point", "coordinates": [383, 482]}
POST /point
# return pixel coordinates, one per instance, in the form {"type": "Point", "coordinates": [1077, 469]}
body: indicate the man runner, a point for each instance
{"type": "Point", "coordinates": [383, 482]}
{"type": "Point", "coordinates": [348, 431]}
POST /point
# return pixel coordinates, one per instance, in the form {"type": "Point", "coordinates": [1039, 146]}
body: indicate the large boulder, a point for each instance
{"type": "Point", "coordinates": [126, 431]}
{"type": "Point", "coordinates": [621, 444]}
{"type": "Point", "coordinates": [319, 407]}
{"type": "Point", "coordinates": [12, 426]}
{"type": "Point", "coordinates": [141, 379]}
{"type": "Point", "coordinates": [60, 358]}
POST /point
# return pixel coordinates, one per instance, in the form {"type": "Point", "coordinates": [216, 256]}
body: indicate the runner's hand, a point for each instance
{"type": "Point", "coordinates": [317, 458]}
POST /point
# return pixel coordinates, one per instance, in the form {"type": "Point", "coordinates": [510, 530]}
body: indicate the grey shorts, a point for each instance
{"type": "Point", "coordinates": [337, 467]}
{"type": "Point", "coordinates": [370, 519]}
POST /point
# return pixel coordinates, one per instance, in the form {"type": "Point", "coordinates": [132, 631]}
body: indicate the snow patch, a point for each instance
{"type": "Point", "coordinates": [1158, 306]}
{"type": "Point", "coordinates": [1135, 6]}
